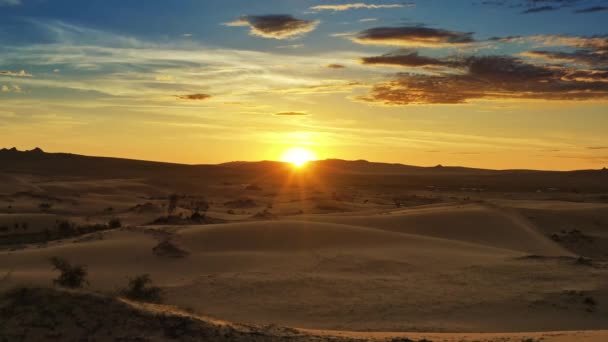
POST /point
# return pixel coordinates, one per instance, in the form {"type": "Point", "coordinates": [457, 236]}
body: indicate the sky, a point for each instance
{"type": "Point", "coordinates": [481, 83]}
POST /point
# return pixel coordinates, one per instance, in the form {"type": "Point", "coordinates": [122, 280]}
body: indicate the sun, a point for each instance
{"type": "Point", "coordinates": [298, 156]}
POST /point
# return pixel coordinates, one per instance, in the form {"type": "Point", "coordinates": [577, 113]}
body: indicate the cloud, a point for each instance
{"type": "Point", "coordinates": [368, 20]}
{"type": "Point", "coordinates": [412, 36]}
{"type": "Point", "coordinates": [10, 2]}
{"type": "Point", "coordinates": [163, 78]}
{"type": "Point", "coordinates": [358, 5]}
{"type": "Point", "coordinates": [280, 26]}
{"type": "Point", "coordinates": [324, 88]}
{"type": "Point", "coordinates": [194, 97]}
{"type": "Point", "coordinates": [597, 43]}
{"type": "Point", "coordinates": [291, 114]}
{"type": "Point", "coordinates": [10, 89]}
{"type": "Point", "coordinates": [584, 57]}
{"type": "Point", "coordinates": [540, 9]}
{"type": "Point", "coordinates": [21, 73]}
{"type": "Point", "coordinates": [492, 77]}
{"type": "Point", "coordinates": [335, 66]}
{"type": "Point", "coordinates": [597, 148]}
{"type": "Point", "coordinates": [407, 59]}
{"type": "Point", "coordinates": [592, 9]}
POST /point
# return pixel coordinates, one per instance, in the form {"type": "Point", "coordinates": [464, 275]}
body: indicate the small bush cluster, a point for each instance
{"type": "Point", "coordinates": [141, 289]}
{"type": "Point", "coordinates": [71, 276]}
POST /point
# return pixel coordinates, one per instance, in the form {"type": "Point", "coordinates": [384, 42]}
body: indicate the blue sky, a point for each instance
{"type": "Point", "coordinates": [418, 82]}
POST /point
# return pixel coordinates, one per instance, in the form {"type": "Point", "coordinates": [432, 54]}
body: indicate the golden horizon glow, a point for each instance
{"type": "Point", "coordinates": [298, 156]}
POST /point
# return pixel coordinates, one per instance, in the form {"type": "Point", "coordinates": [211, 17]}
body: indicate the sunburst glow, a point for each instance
{"type": "Point", "coordinates": [298, 156]}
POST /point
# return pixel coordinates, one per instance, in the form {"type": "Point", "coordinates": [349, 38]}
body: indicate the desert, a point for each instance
{"type": "Point", "coordinates": [312, 249]}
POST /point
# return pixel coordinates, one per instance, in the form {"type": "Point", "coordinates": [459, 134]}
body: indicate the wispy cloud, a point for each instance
{"type": "Point", "coordinates": [21, 73]}
{"type": "Point", "coordinates": [10, 2]}
{"type": "Point", "coordinates": [359, 5]}
{"type": "Point", "coordinates": [592, 9]}
{"type": "Point", "coordinates": [291, 114]}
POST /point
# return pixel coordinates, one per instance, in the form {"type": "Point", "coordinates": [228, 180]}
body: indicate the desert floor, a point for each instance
{"type": "Point", "coordinates": [457, 265]}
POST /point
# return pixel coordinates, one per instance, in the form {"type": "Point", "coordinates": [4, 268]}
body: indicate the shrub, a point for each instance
{"type": "Point", "coordinates": [71, 276]}
{"type": "Point", "coordinates": [115, 223]}
{"type": "Point", "coordinates": [141, 289]}
{"type": "Point", "coordinates": [45, 206]}
{"type": "Point", "coordinates": [173, 203]}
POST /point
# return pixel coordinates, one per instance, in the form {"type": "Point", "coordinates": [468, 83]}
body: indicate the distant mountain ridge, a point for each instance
{"type": "Point", "coordinates": [38, 162]}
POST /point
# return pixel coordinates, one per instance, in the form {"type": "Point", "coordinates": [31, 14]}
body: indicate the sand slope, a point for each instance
{"type": "Point", "coordinates": [475, 223]}
{"type": "Point", "coordinates": [341, 276]}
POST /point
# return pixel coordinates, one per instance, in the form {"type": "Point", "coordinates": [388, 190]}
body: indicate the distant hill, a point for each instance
{"type": "Point", "coordinates": [38, 162]}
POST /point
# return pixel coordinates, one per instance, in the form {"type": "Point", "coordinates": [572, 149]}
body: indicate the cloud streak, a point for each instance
{"type": "Point", "coordinates": [21, 73]}
{"type": "Point", "coordinates": [194, 97]}
{"type": "Point", "coordinates": [359, 5]}
{"type": "Point", "coordinates": [413, 36]}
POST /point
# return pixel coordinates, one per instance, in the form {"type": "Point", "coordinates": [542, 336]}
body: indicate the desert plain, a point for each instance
{"type": "Point", "coordinates": [332, 251]}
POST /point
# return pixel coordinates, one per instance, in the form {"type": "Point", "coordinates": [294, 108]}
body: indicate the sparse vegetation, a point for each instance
{"type": "Point", "coordinates": [168, 248]}
{"type": "Point", "coordinates": [140, 288]}
{"type": "Point", "coordinates": [71, 276]}
{"type": "Point", "coordinates": [241, 203]}
{"type": "Point", "coordinates": [114, 223]}
{"type": "Point", "coordinates": [45, 206]}
{"type": "Point", "coordinates": [253, 187]}
{"type": "Point", "coordinates": [172, 204]}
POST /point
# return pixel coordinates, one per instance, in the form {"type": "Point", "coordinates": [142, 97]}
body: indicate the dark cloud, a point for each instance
{"type": "Point", "coordinates": [540, 9]}
{"type": "Point", "coordinates": [584, 57]}
{"type": "Point", "coordinates": [592, 9]}
{"type": "Point", "coordinates": [407, 59]}
{"type": "Point", "coordinates": [281, 26]}
{"type": "Point", "coordinates": [335, 66]}
{"type": "Point", "coordinates": [194, 97]}
{"type": "Point", "coordinates": [536, 6]}
{"type": "Point", "coordinates": [492, 77]}
{"type": "Point", "coordinates": [412, 36]}
{"type": "Point", "coordinates": [291, 114]}
{"type": "Point", "coordinates": [597, 148]}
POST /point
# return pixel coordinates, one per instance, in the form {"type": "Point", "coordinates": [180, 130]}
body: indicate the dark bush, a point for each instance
{"type": "Point", "coordinates": [115, 223]}
{"type": "Point", "coordinates": [141, 289]}
{"type": "Point", "coordinates": [71, 276]}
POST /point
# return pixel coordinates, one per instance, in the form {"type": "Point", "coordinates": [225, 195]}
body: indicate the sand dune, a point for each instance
{"type": "Point", "coordinates": [334, 276]}
{"type": "Point", "coordinates": [480, 224]}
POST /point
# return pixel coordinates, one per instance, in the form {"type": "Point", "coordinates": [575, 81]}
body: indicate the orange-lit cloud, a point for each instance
{"type": "Point", "coordinates": [585, 57]}
{"type": "Point", "coordinates": [408, 59]}
{"type": "Point", "coordinates": [492, 77]}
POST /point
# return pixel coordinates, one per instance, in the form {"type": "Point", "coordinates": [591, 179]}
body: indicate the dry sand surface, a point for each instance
{"type": "Point", "coordinates": [330, 260]}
